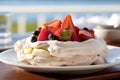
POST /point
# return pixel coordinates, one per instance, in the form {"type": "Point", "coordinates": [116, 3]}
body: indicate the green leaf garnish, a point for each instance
{"type": "Point", "coordinates": [65, 35]}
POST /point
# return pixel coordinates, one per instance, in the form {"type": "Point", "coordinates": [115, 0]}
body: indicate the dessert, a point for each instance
{"type": "Point", "coordinates": [61, 43]}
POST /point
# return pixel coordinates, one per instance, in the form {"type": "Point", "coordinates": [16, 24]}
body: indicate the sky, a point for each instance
{"type": "Point", "coordinates": [57, 2]}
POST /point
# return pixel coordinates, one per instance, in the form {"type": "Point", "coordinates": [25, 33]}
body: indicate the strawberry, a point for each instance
{"type": "Point", "coordinates": [85, 35]}
{"type": "Point", "coordinates": [63, 35]}
{"type": "Point", "coordinates": [92, 32]}
{"type": "Point", "coordinates": [43, 35]}
{"type": "Point", "coordinates": [89, 30]}
{"type": "Point", "coordinates": [68, 24]}
{"type": "Point", "coordinates": [75, 37]}
{"type": "Point", "coordinates": [57, 33]}
{"type": "Point", "coordinates": [55, 29]}
{"type": "Point", "coordinates": [53, 24]}
{"type": "Point", "coordinates": [76, 29]}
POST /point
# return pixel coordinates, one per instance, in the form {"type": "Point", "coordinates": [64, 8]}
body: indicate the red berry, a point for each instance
{"type": "Point", "coordinates": [92, 32]}
{"type": "Point", "coordinates": [85, 35]}
{"type": "Point", "coordinates": [43, 35]}
{"type": "Point", "coordinates": [68, 24]}
{"type": "Point", "coordinates": [55, 29]}
{"type": "Point", "coordinates": [76, 29]}
{"type": "Point", "coordinates": [75, 37]}
{"type": "Point", "coordinates": [57, 33]}
{"type": "Point", "coordinates": [53, 24]}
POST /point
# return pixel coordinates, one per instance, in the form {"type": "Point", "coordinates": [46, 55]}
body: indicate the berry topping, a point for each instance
{"type": "Point", "coordinates": [75, 37]}
{"type": "Point", "coordinates": [85, 35]}
{"type": "Point", "coordinates": [65, 35]}
{"type": "Point", "coordinates": [33, 39]}
{"type": "Point", "coordinates": [57, 33]}
{"type": "Point", "coordinates": [91, 31]}
{"type": "Point", "coordinates": [76, 29]}
{"type": "Point", "coordinates": [53, 24]}
{"type": "Point", "coordinates": [68, 24]}
{"type": "Point", "coordinates": [36, 33]}
{"type": "Point", "coordinates": [85, 29]}
{"type": "Point", "coordinates": [52, 37]}
{"type": "Point", "coordinates": [43, 35]}
{"type": "Point", "coordinates": [62, 31]}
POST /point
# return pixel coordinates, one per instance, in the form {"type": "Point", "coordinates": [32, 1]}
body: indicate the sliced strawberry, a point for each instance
{"type": "Point", "coordinates": [43, 35]}
{"type": "Point", "coordinates": [57, 33]}
{"type": "Point", "coordinates": [85, 35]}
{"type": "Point", "coordinates": [76, 29]}
{"type": "Point", "coordinates": [89, 30]}
{"type": "Point", "coordinates": [68, 24]}
{"type": "Point", "coordinates": [92, 32]}
{"type": "Point", "coordinates": [53, 24]}
{"type": "Point", "coordinates": [53, 30]}
{"type": "Point", "coordinates": [75, 37]}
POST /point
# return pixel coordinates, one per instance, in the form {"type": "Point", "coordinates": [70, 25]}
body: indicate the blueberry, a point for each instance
{"type": "Point", "coordinates": [33, 39]}
{"type": "Point", "coordinates": [36, 33]}
{"type": "Point", "coordinates": [52, 37]}
{"type": "Point", "coordinates": [86, 29]}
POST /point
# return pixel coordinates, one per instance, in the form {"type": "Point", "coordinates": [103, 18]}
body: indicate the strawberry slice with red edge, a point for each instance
{"type": "Point", "coordinates": [43, 35]}
{"type": "Point", "coordinates": [85, 35]}
{"type": "Point", "coordinates": [55, 29]}
{"type": "Point", "coordinates": [53, 24]}
{"type": "Point", "coordinates": [57, 33]}
{"type": "Point", "coordinates": [91, 31]}
{"type": "Point", "coordinates": [68, 24]}
{"type": "Point", "coordinates": [76, 29]}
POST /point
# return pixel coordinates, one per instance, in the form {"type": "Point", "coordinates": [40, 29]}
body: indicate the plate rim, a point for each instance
{"type": "Point", "coordinates": [6, 47]}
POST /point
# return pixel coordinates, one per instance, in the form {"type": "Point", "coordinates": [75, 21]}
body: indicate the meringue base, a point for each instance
{"type": "Point", "coordinates": [75, 60]}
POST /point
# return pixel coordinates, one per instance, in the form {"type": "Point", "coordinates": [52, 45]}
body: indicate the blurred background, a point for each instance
{"type": "Point", "coordinates": [31, 20]}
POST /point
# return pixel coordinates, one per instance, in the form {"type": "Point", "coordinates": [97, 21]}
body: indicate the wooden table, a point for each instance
{"type": "Point", "coordinates": [8, 72]}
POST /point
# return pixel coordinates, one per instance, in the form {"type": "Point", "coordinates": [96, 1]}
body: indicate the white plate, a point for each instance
{"type": "Point", "coordinates": [113, 59]}
{"type": "Point", "coordinates": [2, 48]}
{"type": "Point", "coordinates": [15, 37]}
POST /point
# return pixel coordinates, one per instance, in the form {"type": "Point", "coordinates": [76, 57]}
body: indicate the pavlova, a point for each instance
{"type": "Point", "coordinates": [61, 44]}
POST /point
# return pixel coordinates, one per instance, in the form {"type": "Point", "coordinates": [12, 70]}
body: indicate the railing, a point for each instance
{"type": "Point", "coordinates": [58, 10]}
